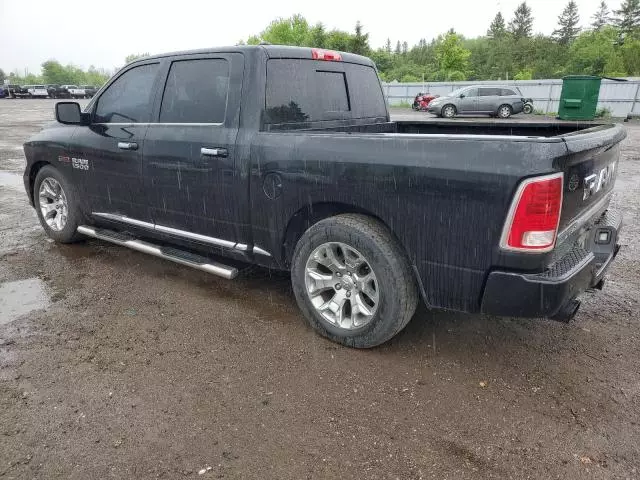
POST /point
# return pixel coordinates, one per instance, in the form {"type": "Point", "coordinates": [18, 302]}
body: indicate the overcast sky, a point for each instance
{"type": "Point", "coordinates": [104, 32]}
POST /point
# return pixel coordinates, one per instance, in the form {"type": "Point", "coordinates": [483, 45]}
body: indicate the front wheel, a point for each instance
{"type": "Point", "coordinates": [57, 206]}
{"type": "Point", "coordinates": [448, 111]}
{"type": "Point", "coordinates": [504, 111]}
{"type": "Point", "coordinates": [528, 108]}
{"type": "Point", "coordinates": [353, 281]}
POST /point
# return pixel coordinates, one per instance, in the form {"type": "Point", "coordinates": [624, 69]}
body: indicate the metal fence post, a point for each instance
{"type": "Point", "coordinates": [635, 98]}
{"type": "Point", "coordinates": [546, 109]}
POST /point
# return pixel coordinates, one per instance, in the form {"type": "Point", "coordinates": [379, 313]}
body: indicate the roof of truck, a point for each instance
{"type": "Point", "coordinates": [272, 51]}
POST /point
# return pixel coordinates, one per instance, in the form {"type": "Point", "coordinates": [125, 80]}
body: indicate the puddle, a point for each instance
{"type": "Point", "coordinates": [10, 179]}
{"type": "Point", "coordinates": [21, 297]}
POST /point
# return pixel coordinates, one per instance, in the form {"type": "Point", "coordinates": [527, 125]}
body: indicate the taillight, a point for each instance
{"type": "Point", "coordinates": [532, 222]}
{"type": "Point", "coordinates": [327, 55]}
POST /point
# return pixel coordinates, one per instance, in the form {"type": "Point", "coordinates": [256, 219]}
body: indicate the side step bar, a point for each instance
{"type": "Point", "coordinates": [178, 256]}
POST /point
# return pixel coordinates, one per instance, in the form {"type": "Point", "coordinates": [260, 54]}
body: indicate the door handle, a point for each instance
{"type": "Point", "coordinates": [127, 145]}
{"type": "Point", "coordinates": [214, 152]}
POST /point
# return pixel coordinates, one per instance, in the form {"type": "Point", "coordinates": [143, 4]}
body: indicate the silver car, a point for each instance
{"type": "Point", "coordinates": [498, 101]}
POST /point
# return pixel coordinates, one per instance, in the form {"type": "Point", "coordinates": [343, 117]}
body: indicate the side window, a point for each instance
{"type": "Point", "coordinates": [128, 98]}
{"type": "Point", "coordinates": [196, 92]}
{"type": "Point", "coordinates": [472, 92]}
{"type": "Point", "coordinates": [506, 92]}
{"type": "Point", "coordinates": [489, 92]}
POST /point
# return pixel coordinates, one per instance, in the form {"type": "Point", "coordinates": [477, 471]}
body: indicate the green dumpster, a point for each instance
{"type": "Point", "coordinates": [579, 97]}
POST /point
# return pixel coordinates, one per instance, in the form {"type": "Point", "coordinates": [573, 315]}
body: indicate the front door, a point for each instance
{"type": "Point", "coordinates": [106, 156]}
{"type": "Point", "coordinates": [468, 103]}
{"type": "Point", "coordinates": [190, 173]}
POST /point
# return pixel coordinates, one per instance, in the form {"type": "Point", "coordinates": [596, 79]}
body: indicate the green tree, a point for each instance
{"type": "Point", "coordinates": [522, 24]}
{"type": "Point", "coordinates": [631, 56]}
{"type": "Point", "coordinates": [452, 57]}
{"type": "Point", "coordinates": [54, 72]}
{"type": "Point", "coordinates": [568, 22]}
{"type": "Point", "coordinates": [287, 31]}
{"type": "Point", "coordinates": [497, 29]}
{"type": "Point", "coordinates": [387, 45]}
{"type": "Point", "coordinates": [2, 76]}
{"type": "Point", "coordinates": [317, 36]}
{"type": "Point", "coordinates": [595, 53]}
{"type": "Point", "coordinates": [628, 17]}
{"type": "Point", "coordinates": [360, 41]}
{"type": "Point", "coordinates": [601, 17]}
{"type": "Point", "coordinates": [135, 56]}
{"type": "Point", "coordinates": [398, 49]}
{"type": "Point", "coordinates": [525, 74]}
{"type": "Point", "coordinates": [339, 40]}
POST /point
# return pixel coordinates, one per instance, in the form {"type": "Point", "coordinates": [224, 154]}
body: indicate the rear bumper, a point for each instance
{"type": "Point", "coordinates": [550, 293]}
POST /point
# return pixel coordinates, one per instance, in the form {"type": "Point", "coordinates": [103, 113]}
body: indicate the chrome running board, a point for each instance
{"type": "Point", "coordinates": [178, 256]}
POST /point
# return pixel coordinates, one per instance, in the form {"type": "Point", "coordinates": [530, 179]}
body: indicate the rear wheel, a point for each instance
{"type": "Point", "coordinates": [504, 111]}
{"type": "Point", "coordinates": [56, 203]}
{"type": "Point", "coordinates": [448, 111]}
{"type": "Point", "coordinates": [352, 281]}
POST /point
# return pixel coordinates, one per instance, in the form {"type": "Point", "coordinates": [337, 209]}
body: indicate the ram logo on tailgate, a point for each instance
{"type": "Point", "coordinates": [597, 181]}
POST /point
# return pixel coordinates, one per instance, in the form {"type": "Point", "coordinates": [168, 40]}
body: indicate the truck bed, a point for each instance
{"type": "Point", "coordinates": [458, 127]}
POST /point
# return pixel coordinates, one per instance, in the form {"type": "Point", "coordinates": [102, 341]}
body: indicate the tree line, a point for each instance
{"type": "Point", "coordinates": [53, 72]}
{"type": "Point", "coordinates": [610, 46]}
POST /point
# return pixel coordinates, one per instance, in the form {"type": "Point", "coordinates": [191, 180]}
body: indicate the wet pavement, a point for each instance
{"type": "Point", "coordinates": [128, 366]}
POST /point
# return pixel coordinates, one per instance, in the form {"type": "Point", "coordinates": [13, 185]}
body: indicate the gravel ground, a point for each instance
{"type": "Point", "coordinates": [114, 364]}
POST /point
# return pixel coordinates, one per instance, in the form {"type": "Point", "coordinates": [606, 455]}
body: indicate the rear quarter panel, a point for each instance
{"type": "Point", "coordinates": [444, 198]}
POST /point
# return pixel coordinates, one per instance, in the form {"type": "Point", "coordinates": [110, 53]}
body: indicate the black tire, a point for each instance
{"type": "Point", "coordinates": [448, 111]}
{"type": "Point", "coordinates": [527, 109]}
{"type": "Point", "coordinates": [504, 111]}
{"type": "Point", "coordinates": [398, 293]}
{"type": "Point", "coordinates": [69, 233]}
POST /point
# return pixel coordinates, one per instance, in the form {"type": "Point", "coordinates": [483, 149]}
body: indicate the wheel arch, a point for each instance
{"type": "Point", "coordinates": [33, 173]}
{"type": "Point", "coordinates": [311, 214]}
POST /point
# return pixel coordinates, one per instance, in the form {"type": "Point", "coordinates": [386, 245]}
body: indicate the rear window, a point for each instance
{"type": "Point", "coordinates": [303, 91]}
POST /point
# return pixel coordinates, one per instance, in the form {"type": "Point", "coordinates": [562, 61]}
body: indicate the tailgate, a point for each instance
{"type": "Point", "coordinates": [590, 170]}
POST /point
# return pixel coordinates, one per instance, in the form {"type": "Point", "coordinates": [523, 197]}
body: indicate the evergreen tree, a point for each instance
{"type": "Point", "coordinates": [405, 47]}
{"type": "Point", "coordinates": [628, 17]}
{"type": "Point", "coordinates": [522, 24]}
{"type": "Point", "coordinates": [360, 41]}
{"type": "Point", "coordinates": [568, 28]}
{"type": "Point", "coordinates": [601, 17]}
{"type": "Point", "coordinates": [398, 49]}
{"type": "Point", "coordinates": [497, 28]}
{"type": "Point", "coordinates": [387, 46]}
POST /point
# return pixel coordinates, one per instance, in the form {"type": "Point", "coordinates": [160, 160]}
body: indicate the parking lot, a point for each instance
{"type": "Point", "coordinates": [114, 364]}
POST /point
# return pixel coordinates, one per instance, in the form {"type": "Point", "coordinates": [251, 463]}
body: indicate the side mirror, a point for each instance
{"type": "Point", "coordinates": [69, 113]}
{"type": "Point", "coordinates": [462, 95]}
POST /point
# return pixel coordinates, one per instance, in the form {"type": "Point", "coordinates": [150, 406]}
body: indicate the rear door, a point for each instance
{"type": "Point", "coordinates": [190, 174]}
{"type": "Point", "coordinates": [469, 103]}
{"type": "Point", "coordinates": [106, 156]}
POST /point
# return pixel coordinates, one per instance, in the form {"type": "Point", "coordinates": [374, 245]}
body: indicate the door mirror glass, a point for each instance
{"type": "Point", "coordinates": [69, 113]}
{"type": "Point", "coordinates": [462, 95]}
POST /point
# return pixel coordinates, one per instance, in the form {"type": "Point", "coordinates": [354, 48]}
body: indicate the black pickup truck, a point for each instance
{"type": "Point", "coordinates": [286, 157]}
